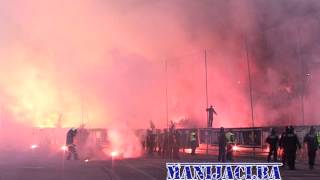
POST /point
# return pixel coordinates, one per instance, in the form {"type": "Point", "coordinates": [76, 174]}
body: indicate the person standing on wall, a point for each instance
{"type": "Point", "coordinates": [210, 111]}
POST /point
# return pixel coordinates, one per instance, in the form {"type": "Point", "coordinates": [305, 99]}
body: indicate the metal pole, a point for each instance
{"type": "Point", "coordinates": [207, 103]}
{"type": "Point", "coordinates": [167, 109]}
{"type": "Point", "coordinates": [251, 97]}
{"type": "Point", "coordinates": [206, 71]}
{"type": "Point", "coordinates": [302, 74]}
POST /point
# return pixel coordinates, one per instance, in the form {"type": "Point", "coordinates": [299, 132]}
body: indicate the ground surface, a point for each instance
{"type": "Point", "coordinates": [20, 167]}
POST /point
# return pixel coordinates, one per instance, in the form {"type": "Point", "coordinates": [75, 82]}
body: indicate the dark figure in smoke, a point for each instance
{"type": "Point", "coordinates": [72, 151]}
{"type": "Point", "coordinates": [170, 141]}
{"type": "Point", "coordinates": [312, 143]}
{"type": "Point", "coordinates": [150, 142]}
{"type": "Point", "coordinates": [283, 136]}
{"type": "Point", "coordinates": [273, 141]}
{"type": "Point", "coordinates": [222, 145]}
{"type": "Point", "coordinates": [148, 135]}
{"type": "Point", "coordinates": [160, 141]}
{"type": "Point", "coordinates": [176, 144]}
{"type": "Point", "coordinates": [291, 143]}
{"type": "Point", "coordinates": [210, 111]}
{"type": "Point", "coordinates": [230, 143]}
{"type": "Point", "coordinates": [193, 142]}
{"type": "Point", "coordinates": [165, 143]}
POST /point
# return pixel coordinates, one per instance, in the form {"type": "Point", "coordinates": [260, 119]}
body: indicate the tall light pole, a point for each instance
{"type": "Point", "coordinates": [206, 75]}
{"type": "Point", "coordinates": [302, 76]}
{"type": "Point", "coordinates": [207, 101]}
{"type": "Point", "coordinates": [167, 101]}
{"type": "Point", "coordinates": [250, 91]}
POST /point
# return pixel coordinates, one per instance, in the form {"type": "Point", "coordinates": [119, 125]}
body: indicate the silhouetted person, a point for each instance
{"type": "Point", "coordinates": [230, 143]}
{"type": "Point", "coordinates": [165, 143]}
{"type": "Point", "coordinates": [160, 143]}
{"type": "Point", "coordinates": [291, 143]}
{"type": "Point", "coordinates": [193, 142]}
{"type": "Point", "coordinates": [72, 151]}
{"type": "Point", "coordinates": [150, 142]}
{"type": "Point", "coordinates": [170, 143]}
{"type": "Point", "coordinates": [222, 145]}
{"type": "Point", "coordinates": [318, 137]}
{"type": "Point", "coordinates": [210, 111]}
{"type": "Point", "coordinates": [312, 143]}
{"type": "Point", "coordinates": [281, 144]}
{"type": "Point", "coordinates": [176, 145]}
{"type": "Point", "coordinates": [273, 141]}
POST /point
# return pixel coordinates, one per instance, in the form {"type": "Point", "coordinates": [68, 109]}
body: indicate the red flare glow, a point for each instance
{"type": "Point", "coordinates": [235, 148]}
{"type": "Point", "coordinates": [34, 146]}
{"type": "Point", "coordinates": [64, 148]}
{"type": "Point", "coordinates": [114, 154]}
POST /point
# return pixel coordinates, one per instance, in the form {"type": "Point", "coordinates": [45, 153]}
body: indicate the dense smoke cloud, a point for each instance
{"type": "Point", "coordinates": [285, 53]}
{"type": "Point", "coordinates": [106, 59]}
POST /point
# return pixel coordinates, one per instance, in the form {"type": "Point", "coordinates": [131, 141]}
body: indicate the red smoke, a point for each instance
{"type": "Point", "coordinates": [103, 62]}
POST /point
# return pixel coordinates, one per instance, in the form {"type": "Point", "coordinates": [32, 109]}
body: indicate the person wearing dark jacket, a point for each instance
{"type": "Point", "coordinates": [176, 145]}
{"type": "Point", "coordinates": [160, 140]}
{"type": "Point", "coordinates": [72, 151]}
{"type": "Point", "coordinates": [291, 143]}
{"type": "Point", "coordinates": [165, 145]}
{"type": "Point", "coordinates": [273, 141]}
{"type": "Point", "coordinates": [281, 144]}
{"type": "Point", "coordinates": [312, 143]}
{"type": "Point", "coordinates": [222, 145]}
{"type": "Point", "coordinates": [210, 111]}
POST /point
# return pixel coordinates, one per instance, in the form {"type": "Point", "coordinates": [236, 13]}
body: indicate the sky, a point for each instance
{"type": "Point", "coordinates": [102, 62]}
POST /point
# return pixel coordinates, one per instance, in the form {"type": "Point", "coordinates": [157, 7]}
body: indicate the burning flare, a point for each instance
{"type": "Point", "coordinates": [34, 146]}
{"type": "Point", "coordinates": [64, 148]}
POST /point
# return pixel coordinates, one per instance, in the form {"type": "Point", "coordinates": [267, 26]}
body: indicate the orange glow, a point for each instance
{"type": "Point", "coordinates": [90, 63]}
{"type": "Point", "coordinates": [99, 68]}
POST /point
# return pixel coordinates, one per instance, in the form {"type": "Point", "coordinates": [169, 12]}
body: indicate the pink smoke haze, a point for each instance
{"type": "Point", "coordinates": [102, 63]}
